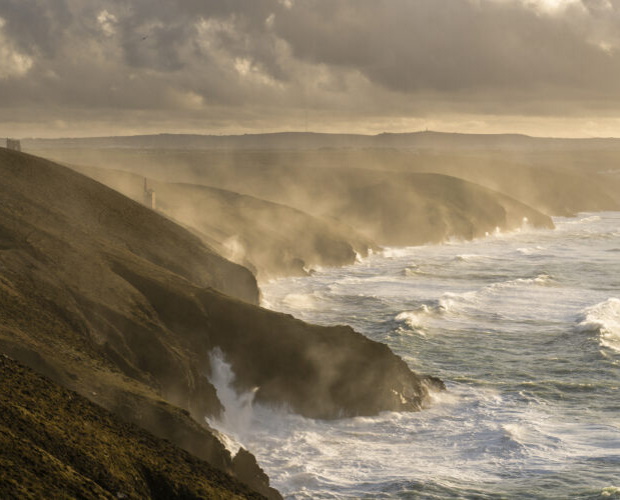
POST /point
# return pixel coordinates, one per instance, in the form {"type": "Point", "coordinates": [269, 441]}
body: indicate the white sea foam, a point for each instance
{"type": "Point", "coordinates": [415, 270]}
{"type": "Point", "coordinates": [541, 279]}
{"type": "Point", "coordinates": [468, 257]}
{"type": "Point", "coordinates": [603, 318]}
{"type": "Point", "coordinates": [610, 492]}
{"type": "Point", "coordinates": [396, 252]}
{"type": "Point", "coordinates": [411, 270]}
{"type": "Point", "coordinates": [530, 250]}
{"type": "Point", "coordinates": [412, 319]}
{"type": "Point", "coordinates": [516, 432]}
{"type": "Point", "coordinates": [586, 220]}
{"type": "Point", "coordinates": [455, 304]}
{"type": "Point", "coordinates": [303, 301]}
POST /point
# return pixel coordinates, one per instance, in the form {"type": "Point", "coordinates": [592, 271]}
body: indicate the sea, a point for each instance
{"type": "Point", "coordinates": [523, 328]}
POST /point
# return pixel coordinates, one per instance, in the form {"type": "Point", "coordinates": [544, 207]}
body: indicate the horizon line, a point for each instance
{"type": "Point", "coordinates": [299, 132]}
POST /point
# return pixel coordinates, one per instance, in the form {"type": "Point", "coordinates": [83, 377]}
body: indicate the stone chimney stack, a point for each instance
{"type": "Point", "coordinates": [148, 196]}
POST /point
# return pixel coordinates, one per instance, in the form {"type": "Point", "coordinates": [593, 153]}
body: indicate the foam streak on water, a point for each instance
{"type": "Point", "coordinates": [525, 330]}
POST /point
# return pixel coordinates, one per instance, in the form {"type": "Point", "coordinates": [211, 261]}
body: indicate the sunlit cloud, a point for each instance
{"type": "Point", "coordinates": [13, 63]}
{"type": "Point", "coordinates": [274, 64]}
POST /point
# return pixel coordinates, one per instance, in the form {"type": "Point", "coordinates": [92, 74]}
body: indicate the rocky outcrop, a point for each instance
{"type": "Point", "coordinates": [322, 372]}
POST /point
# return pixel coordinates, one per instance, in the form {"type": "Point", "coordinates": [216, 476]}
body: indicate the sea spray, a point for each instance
{"type": "Point", "coordinates": [236, 419]}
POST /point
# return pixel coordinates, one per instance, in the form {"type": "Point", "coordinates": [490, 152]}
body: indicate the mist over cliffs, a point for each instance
{"type": "Point", "coordinates": [315, 199]}
{"type": "Point", "coordinates": [124, 303]}
{"type": "Point", "coordinates": [112, 300]}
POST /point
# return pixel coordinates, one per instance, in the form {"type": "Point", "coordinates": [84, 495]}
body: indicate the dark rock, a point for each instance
{"type": "Point", "coordinates": [249, 472]}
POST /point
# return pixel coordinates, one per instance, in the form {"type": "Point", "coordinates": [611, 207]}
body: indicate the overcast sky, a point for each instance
{"type": "Point", "coordinates": [117, 67]}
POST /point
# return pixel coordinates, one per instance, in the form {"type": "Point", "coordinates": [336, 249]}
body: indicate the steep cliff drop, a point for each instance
{"type": "Point", "coordinates": [110, 299]}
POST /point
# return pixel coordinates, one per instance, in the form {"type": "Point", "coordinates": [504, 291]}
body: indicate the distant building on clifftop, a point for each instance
{"type": "Point", "coordinates": [148, 197]}
{"type": "Point", "coordinates": [13, 144]}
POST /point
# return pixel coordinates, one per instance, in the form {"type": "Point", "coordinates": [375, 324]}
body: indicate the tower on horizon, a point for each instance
{"type": "Point", "coordinates": [148, 196]}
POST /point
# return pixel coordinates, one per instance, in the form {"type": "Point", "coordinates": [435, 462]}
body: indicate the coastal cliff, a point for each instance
{"type": "Point", "coordinates": [110, 299]}
{"type": "Point", "coordinates": [269, 238]}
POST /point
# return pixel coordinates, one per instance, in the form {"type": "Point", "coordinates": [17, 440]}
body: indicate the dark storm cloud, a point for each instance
{"type": "Point", "coordinates": [374, 56]}
{"type": "Point", "coordinates": [449, 45]}
{"type": "Point", "coordinates": [36, 25]}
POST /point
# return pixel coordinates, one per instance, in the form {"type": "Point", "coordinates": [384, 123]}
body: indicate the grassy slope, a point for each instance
{"type": "Point", "coordinates": [55, 443]}
{"type": "Point", "coordinates": [391, 209]}
{"type": "Point", "coordinates": [555, 183]}
{"type": "Point", "coordinates": [67, 312]}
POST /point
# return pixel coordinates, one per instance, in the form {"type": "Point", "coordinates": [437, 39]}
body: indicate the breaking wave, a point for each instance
{"type": "Point", "coordinates": [603, 318]}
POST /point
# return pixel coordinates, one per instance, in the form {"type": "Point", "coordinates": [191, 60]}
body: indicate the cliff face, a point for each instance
{"type": "Point", "coordinates": [321, 372]}
{"type": "Point", "coordinates": [415, 209]}
{"type": "Point", "coordinates": [112, 300]}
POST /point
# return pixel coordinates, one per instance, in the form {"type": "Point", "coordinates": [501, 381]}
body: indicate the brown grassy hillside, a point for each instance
{"type": "Point", "coordinates": [55, 443]}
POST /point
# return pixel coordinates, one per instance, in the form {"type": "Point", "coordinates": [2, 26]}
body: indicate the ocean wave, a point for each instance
{"type": "Point", "coordinates": [584, 220]}
{"type": "Point", "coordinates": [454, 302]}
{"type": "Point", "coordinates": [414, 270]}
{"type": "Point", "coordinates": [457, 305]}
{"type": "Point", "coordinates": [541, 280]}
{"type": "Point", "coordinates": [515, 435]}
{"type": "Point", "coordinates": [530, 250]}
{"type": "Point", "coordinates": [396, 252]}
{"type": "Point", "coordinates": [415, 319]}
{"type": "Point", "coordinates": [468, 257]}
{"type": "Point", "coordinates": [233, 424]}
{"type": "Point", "coordinates": [603, 318]}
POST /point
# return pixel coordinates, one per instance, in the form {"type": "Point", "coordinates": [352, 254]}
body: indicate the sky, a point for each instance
{"type": "Point", "coordinates": [75, 68]}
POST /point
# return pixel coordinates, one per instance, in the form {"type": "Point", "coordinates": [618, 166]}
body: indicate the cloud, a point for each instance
{"type": "Point", "coordinates": [449, 46]}
{"type": "Point", "coordinates": [13, 64]}
{"type": "Point", "coordinates": [366, 59]}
